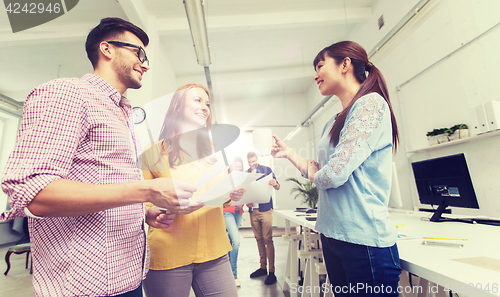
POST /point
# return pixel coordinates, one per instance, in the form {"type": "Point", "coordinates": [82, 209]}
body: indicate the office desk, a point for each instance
{"type": "Point", "coordinates": [434, 263]}
{"type": "Point", "coordinates": [311, 253]}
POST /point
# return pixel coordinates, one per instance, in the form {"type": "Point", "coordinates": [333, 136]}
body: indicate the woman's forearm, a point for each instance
{"type": "Point", "coordinates": [299, 162]}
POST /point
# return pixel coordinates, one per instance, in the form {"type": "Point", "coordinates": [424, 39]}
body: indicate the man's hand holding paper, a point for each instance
{"type": "Point", "coordinates": [173, 195]}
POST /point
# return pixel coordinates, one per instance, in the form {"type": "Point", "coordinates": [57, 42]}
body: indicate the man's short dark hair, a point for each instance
{"type": "Point", "coordinates": [251, 154]}
{"type": "Point", "coordinates": [108, 29]}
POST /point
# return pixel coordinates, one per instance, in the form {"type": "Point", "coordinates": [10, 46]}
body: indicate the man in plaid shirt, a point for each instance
{"type": "Point", "coordinates": [74, 173]}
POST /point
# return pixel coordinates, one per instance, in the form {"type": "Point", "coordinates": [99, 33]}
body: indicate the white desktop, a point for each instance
{"type": "Point", "coordinates": [465, 259]}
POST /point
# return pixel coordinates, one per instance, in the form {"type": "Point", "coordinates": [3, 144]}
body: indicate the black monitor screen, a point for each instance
{"type": "Point", "coordinates": [445, 182]}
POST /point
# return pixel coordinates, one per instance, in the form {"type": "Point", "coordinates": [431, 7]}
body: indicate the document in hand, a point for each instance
{"type": "Point", "coordinates": [215, 170]}
{"type": "Point", "coordinates": [219, 193]}
{"type": "Point", "coordinates": [257, 192]}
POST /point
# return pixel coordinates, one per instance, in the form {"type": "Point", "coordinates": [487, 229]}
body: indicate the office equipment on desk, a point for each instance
{"type": "Point", "coordinates": [443, 244]}
{"type": "Point", "coordinates": [307, 215]}
{"type": "Point", "coordinates": [433, 210]}
{"type": "Point", "coordinates": [446, 238]}
{"type": "Point", "coordinates": [301, 209]}
{"type": "Point", "coordinates": [491, 222]}
{"type": "Point", "coordinates": [446, 182]}
{"type": "Point", "coordinates": [405, 236]}
{"type": "Point", "coordinates": [306, 209]}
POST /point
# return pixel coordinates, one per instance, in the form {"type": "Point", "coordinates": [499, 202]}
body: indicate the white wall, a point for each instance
{"type": "Point", "coordinates": [160, 79]}
{"type": "Point", "coordinates": [368, 34]}
{"type": "Point", "coordinates": [443, 95]}
{"type": "Point", "coordinates": [9, 128]}
{"type": "Point", "coordinates": [286, 109]}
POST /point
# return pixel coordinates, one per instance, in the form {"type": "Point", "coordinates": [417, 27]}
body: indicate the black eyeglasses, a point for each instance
{"type": "Point", "coordinates": [141, 53]}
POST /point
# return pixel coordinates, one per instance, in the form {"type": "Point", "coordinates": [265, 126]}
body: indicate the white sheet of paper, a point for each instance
{"type": "Point", "coordinates": [219, 193]}
{"type": "Point", "coordinates": [215, 170]}
{"type": "Point", "coordinates": [257, 192]}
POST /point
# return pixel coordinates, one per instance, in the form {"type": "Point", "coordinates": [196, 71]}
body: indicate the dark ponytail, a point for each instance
{"type": "Point", "coordinates": [374, 82]}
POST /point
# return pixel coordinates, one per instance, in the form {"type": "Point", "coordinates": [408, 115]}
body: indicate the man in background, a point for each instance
{"type": "Point", "coordinates": [74, 173]}
{"type": "Point", "coordinates": [261, 218]}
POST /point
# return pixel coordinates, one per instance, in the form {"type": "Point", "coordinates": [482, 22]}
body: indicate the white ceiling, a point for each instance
{"type": "Point", "coordinates": [259, 48]}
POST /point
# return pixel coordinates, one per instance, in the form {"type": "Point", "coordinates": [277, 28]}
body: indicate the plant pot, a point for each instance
{"type": "Point", "coordinates": [459, 134]}
{"type": "Point", "coordinates": [442, 138]}
{"type": "Point", "coordinates": [432, 140]}
{"type": "Point", "coordinates": [464, 133]}
{"type": "Point", "coordinates": [455, 135]}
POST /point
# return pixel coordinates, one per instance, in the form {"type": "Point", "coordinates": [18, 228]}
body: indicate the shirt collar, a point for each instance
{"type": "Point", "coordinates": [106, 88]}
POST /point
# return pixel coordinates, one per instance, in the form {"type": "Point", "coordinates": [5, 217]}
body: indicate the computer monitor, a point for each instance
{"type": "Point", "coordinates": [445, 182]}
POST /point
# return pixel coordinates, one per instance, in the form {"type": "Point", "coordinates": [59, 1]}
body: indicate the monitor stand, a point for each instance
{"type": "Point", "coordinates": [436, 217]}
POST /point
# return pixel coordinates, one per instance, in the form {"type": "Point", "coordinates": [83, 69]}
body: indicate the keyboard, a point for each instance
{"type": "Point", "coordinates": [491, 222]}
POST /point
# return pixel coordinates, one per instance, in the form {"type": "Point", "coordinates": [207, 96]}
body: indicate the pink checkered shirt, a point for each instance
{"type": "Point", "coordinates": [73, 129]}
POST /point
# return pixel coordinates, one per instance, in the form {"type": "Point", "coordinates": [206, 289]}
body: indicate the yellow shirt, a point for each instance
{"type": "Point", "coordinates": [193, 238]}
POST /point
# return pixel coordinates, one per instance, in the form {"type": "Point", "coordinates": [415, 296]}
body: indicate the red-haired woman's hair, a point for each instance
{"type": "Point", "coordinates": [374, 82]}
{"type": "Point", "coordinates": [170, 131]}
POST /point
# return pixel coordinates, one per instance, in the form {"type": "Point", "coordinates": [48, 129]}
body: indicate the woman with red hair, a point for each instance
{"type": "Point", "coordinates": [193, 251]}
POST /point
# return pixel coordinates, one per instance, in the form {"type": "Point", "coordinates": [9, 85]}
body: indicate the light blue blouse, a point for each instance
{"type": "Point", "coordinates": [354, 181]}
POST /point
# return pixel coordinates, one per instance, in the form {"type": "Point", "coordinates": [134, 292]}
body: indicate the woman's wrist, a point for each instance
{"type": "Point", "coordinates": [290, 154]}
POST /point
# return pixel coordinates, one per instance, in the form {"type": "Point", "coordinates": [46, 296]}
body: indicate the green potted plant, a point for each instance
{"type": "Point", "coordinates": [432, 137]}
{"type": "Point", "coordinates": [458, 131]}
{"type": "Point", "coordinates": [307, 190]}
{"type": "Point", "coordinates": [437, 136]}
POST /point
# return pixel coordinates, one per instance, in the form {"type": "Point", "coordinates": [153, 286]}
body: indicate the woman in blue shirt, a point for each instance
{"type": "Point", "coordinates": [354, 174]}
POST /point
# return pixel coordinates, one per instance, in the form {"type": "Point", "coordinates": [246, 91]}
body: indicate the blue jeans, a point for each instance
{"type": "Point", "coordinates": [233, 221]}
{"type": "Point", "coordinates": [359, 270]}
